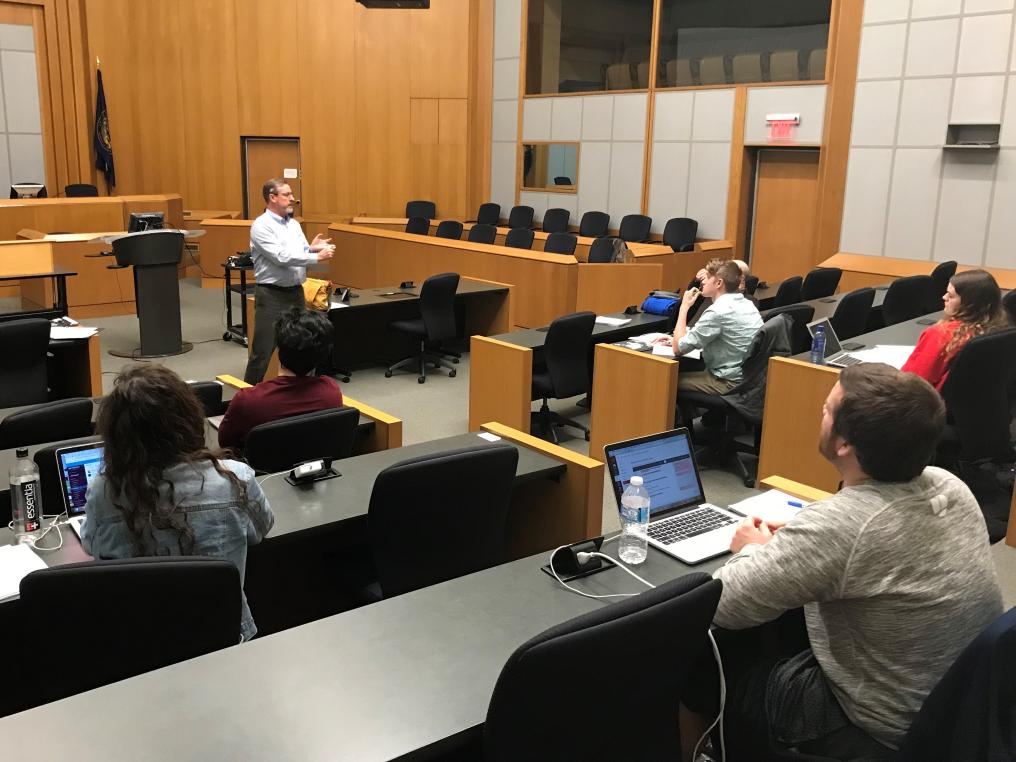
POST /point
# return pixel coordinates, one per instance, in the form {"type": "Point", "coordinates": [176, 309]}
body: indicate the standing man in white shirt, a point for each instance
{"type": "Point", "coordinates": [281, 257]}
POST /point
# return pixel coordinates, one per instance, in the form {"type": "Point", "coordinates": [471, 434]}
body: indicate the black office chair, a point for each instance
{"type": "Point", "coordinates": [80, 190]}
{"type": "Point", "coordinates": [489, 214]}
{"type": "Point", "coordinates": [940, 276]}
{"type": "Point", "coordinates": [520, 238]}
{"type": "Point", "coordinates": [565, 370]}
{"type": "Point", "coordinates": [908, 298]}
{"type": "Point", "coordinates": [41, 194]}
{"type": "Point", "coordinates": [521, 217]}
{"type": "Point", "coordinates": [851, 316]}
{"type": "Point", "coordinates": [556, 221]}
{"type": "Point", "coordinates": [282, 444]}
{"type": "Point", "coordinates": [482, 233]}
{"type": "Point", "coordinates": [50, 422]}
{"type": "Point", "coordinates": [750, 285]}
{"type": "Point", "coordinates": [789, 292]}
{"type": "Point", "coordinates": [1009, 305]}
{"type": "Point", "coordinates": [209, 394]}
{"type": "Point", "coordinates": [562, 180]}
{"type": "Point", "coordinates": [439, 516]}
{"type": "Point", "coordinates": [801, 314]}
{"type": "Point", "coordinates": [426, 209]}
{"type": "Point", "coordinates": [560, 243]}
{"type": "Point", "coordinates": [601, 251]}
{"type": "Point", "coordinates": [449, 229]}
{"type": "Point", "coordinates": [635, 228]}
{"type": "Point", "coordinates": [594, 224]}
{"type": "Point", "coordinates": [23, 362]}
{"type": "Point", "coordinates": [124, 618]}
{"type": "Point", "coordinates": [820, 283]}
{"type": "Point", "coordinates": [679, 233]}
{"type": "Point", "coordinates": [418, 225]}
{"type": "Point", "coordinates": [435, 324]}
{"type": "Point", "coordinates": [529, 716]}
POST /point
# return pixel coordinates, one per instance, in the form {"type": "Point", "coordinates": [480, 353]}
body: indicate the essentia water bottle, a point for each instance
{"type": "Point", "coordinates": [26, 502]}
{"type": "Point", "coordinates": [634, 522]}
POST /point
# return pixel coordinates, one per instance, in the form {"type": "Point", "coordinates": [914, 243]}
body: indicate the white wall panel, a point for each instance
{"type": "Point", "coordinates": [924, 112]}
{"type": "Point", "coordinates": [979, 6]}
{"type": "Point", "coordinates": [1008, 135]}
{"type": "Point", "coordinates": [536, 118]}
{"type": "Point", "coordinates": [569, 201]}
{"type": "Point", "coordinates": [875, 106]}
{"type": "Point", "coordinates": [5, 166]}
{"type": "Point", "coordinates": [708, 179]}
{"type": "Point", "coordinates": [714, 115]}
{"type": "Point", "coordinates": [625, 195]}
{"type": "Point", "coordinates": [881, 53]}
{"type": "Point", "coordinates": [1000, 250]}
{"type": "Point", "coordinates": [876, 11]}
{"type": "Point", "coordinates": [963, 207]}
{"type": "Point", "coordinates": [506, 79]}
{"type": "Point", "coordinates": [668, 183]}
{"type": "Point", "coordinates": [630, 117]}
{"type": "Point", "coordinates": [984, 44]}
{"type": "Point", "coordinates": [507, 28]}
{"type": "Point", "coordinates": [977, 100]}
{"type": "Point", "coordinates": [21, 91]}
{"type": "Point", "coordinates": [505, 120]}
{"type": "Point", "coordinates": [808, 101]}
{"type": "Point", "coordinates": [597, 117]}
{"type": "Point", "coordinates": [931, 47]}
{"type": "Point", "coordinates": [923, 9]}
{"type": "Point", "coordinates": [672, 116]}
{"type": "Point", "coordinates": [536, 200]}
{"type": "Point", "coordinates": [864, 207]}
{"type": "Point", "coordinates": [27, 164]}
{"type": "Point", "coordinates": [594, 176]}
{"type": "Point", "coordinates": [566, 119]}
{"type": "Point", "coordinates": [502, 175]}
{"type": "Point", "coordinates": [910, 229]}
{"type": "Point", "coordinates": [17, 37]}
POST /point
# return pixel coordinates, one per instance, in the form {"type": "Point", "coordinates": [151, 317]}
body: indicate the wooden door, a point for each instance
{"type": "Point", "coordinates": [783, 219]}
{"type": "Point", "coordinates": [265, 158]}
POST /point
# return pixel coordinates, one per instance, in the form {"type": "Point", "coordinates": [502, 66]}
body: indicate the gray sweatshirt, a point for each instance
{"type": "Point", "coordinates": [895, 580]}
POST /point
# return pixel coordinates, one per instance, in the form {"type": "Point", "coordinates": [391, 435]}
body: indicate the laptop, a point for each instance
{"type": "Point", "coordinates": [77, 465]}
{"type": "Point", "coordinates": [681, 523]}
{"type": "Point", "coordinates": [834, 354]}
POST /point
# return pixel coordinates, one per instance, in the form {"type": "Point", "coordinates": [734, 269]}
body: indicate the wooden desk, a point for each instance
{"type": "Point", "coordinates": [861, 270]}
{"type": "Point", "coordinates": [77, 365]}
{"type": "Point", "coordinates": [546, 285]}
{"type": "Point", "coordinates": [223, 238]}
{"type": "Point", "coordinates": [83, 215]}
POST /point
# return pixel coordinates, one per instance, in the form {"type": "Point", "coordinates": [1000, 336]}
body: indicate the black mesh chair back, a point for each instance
{"type": "Point", "coordinates": [635, 228]}
{"type": "Point", "coordinates": [282, 444]}
{"type": "Point", "coordinates": [820, 283]}
{"type": "Point", "coordinates": [594, 224]}
{"type": "Point", "coordinates": [437, 306]}
{"type": "Point", "coordinates": [940, 276]}
{"type": "Point", "coordinates": [426, 209]}
{"type": "Point", "coordinates": [519, 238]}
{"type": "Point", "coordinates": [125, 617]}
{"type": "Point", "coordinates": [41, 194]}
{"type": "Point", "coordinates": [209, 394]}
{"type": "Point", "coordinates": [527, 718]}
{"type": "Point", "coordinates": [520, 217]}
{"type": "Point", "coordinates": [751, 285]}
{"type": "Point", "coordinates": [1009, 305]}
{"type": "Point", "coordinates": [418, 225]}
{"type": "Point", "coordinates": [482, 233]}
{"type": "Point", "coordinates": [23, 362]}
{"type": "Point", "coordinates": [489, 214]}
{"type": "Point", "coordinates": [789, 292]}
{"type": "Point", "coordinates": [50, 422]}
{"type": "Point", "coordinates": [976, 394]}
{"type": "Point", "coordinates": [560, 243]}
{"type": "Point", "coordinates": [908, 298]}
{"type": "Point", "coordinates": [851, 316]}
{"type": "Point", "coordinates": [449, 229]}
{"type": "Point", "coordinates": [566, 353]}
{"type": "Point", "coordinates": [801, 314]}
{"type": "Point", "coordinates": [80, 190]}
{"type": "Point", "coordinates": [556, 220]}
{"type": "Point", "coordinates": [601, 251]}
{"type": "Point", "coordinates": [679, 233]}
{"type": "Point", "coordinates": [426, 524]}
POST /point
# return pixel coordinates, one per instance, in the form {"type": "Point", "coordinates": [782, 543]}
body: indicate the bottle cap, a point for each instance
{"type": "Point", "coordinates": [636, 481]}
{"type": "Point", "coordinates": [22, 452]}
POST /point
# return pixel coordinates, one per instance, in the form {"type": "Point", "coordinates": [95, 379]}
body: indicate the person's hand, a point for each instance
{"type": "Point", "coordinates": [690, 297]}
{"type": "Point", "coordinates": [774, 525]}
{"type": "Point", "coordinates": [663, 340]}
{"type": "Point", "coordinates": [751, 531]}
{"type": "Point", "coordinates": [320, 242]}
{"type": "Point", "coordinates": [325, 253]}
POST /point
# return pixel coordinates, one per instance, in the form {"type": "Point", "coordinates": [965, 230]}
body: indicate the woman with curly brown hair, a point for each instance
{"type": "Point", "coordinates": [161, 491]}
{"type": "Point", "coordinates": [972, 305]}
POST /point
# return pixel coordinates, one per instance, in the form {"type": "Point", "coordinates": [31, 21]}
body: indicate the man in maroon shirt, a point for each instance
{"type": "Point", "coordinates": [304, 338]}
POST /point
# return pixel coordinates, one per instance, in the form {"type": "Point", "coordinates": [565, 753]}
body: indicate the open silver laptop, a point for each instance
{"type": "Point", "coordinates": [681, 523]}
{"type": "Point", "coordinates": [834, 354]}
{"type": "Point", "coordinates": [77, 465]}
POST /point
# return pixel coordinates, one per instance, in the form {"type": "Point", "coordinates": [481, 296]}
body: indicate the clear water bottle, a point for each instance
{"type": "Point", "coordinates": [818, 346]}
{"type": "Point", "coordinates": [634, 522]}
{"type": "Point", "coordinates": [26, 500]}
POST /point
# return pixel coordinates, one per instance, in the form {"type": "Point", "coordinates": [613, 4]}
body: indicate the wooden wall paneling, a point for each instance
{"type": "Point", "coordinates": [268, 80]}
{"type": "Point", "coordinates": [452, 165]}
{"type": "Point", "coordinates": [423, 137]}
{"type": "Point", "coordinates": [786, 197]}
{"type": "Point", "coordinates": [481, 84]}
{"type": "Point", "coordinates": [79, 93]}
{"type": "Point", "coordinates": [51, 106]}
{"type": "Point", "coordinates": [740, 174]}
{"type": "Point", "coordinates": [612, 287]}
{"type": "Point", "coordinates": [438, 46]}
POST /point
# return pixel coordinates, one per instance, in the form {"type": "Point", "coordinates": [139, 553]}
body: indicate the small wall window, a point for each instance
{"type": "Point", "coordinates": [550, 167]}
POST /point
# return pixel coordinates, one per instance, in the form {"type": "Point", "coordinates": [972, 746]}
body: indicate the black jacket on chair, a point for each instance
{"type": "Point", "coordinates": [773, 340]}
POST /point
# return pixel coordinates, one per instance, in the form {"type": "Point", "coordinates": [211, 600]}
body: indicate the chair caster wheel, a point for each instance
{"type": "Point", "coordinates": [388, 374]}
{"type": "Point", "coordinates": [451, 374]}
{"type": "Point", "coordinates": [345, 379]}
{"type": "Point", "coordinates": [749, 483]}
{"type": "Point", "coordinates": [587, 436]}
{"type": "Point", "coordinates": [421, 379]}
{"type": "Point", "coordinates": [227, 336]}
{"type": "Point", "coordinates": [455, 361]}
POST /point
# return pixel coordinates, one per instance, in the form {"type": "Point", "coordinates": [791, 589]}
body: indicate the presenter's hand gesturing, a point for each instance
{"type": "Point", "coordinates": [325, 253]}
{"type": "Point", "coordinates": [320, 243]}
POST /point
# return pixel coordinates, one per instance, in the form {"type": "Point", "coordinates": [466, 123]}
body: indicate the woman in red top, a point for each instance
{"type": "Point", "coordinates": [972, 308]}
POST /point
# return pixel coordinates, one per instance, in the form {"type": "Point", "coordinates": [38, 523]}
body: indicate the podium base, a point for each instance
{"type": "Point", "coordinates": [135, 354]}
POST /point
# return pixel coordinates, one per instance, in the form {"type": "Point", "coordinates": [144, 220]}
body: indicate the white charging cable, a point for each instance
{"type": "Point", "coordinates": [263, 479]}
{"type": "Point", "coordinates": [723, 703]}
{"type": "Point", "coordinates": [34, 541]}
{"type": "Point", "coordinates": [586, 557]}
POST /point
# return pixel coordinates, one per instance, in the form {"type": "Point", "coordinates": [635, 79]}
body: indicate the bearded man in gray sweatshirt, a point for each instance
{"type": "Point", "coordinates": [894, 574]}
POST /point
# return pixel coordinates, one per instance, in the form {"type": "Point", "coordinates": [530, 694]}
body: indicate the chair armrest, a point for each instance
{"type": "Point", "coordinates": [233, 381]}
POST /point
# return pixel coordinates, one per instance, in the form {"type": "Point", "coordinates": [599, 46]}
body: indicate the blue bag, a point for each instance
{"type": "Point", "coordinates": [661, 305]}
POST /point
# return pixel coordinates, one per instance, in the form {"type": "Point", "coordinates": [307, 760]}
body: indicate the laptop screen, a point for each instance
{"type": "Point", "coordinates": [666, 464]}
{"type": "Point", "coordinates": [832, 341]}
{"type": "Point", "coordinates": [78, 465]}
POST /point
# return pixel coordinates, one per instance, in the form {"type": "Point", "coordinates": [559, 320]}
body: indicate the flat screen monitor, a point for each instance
{"type": "Point", "coordinates": [141, 221]}
{"type": "Point", "coordinates": [27, 190]}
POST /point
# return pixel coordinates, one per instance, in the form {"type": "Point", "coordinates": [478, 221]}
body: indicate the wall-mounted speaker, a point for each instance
{"type": "Point", "coordinates": [395, 3]}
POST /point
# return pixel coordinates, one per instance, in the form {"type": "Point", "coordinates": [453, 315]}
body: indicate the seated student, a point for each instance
{"type": "Point", "coordinates": [894, 573]}
{"type": "Point", "coordinates": [724, 331]}
{"type": "Point", "coordinates": [972, 307]}
{"type": "Point", "coordinates": [161, 491]}
{"type": "Point", "coordinates": [304, 338]}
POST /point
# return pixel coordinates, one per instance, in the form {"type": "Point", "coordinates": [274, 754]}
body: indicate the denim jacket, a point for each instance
{"type": "Point", "coordinates": [223, 528]}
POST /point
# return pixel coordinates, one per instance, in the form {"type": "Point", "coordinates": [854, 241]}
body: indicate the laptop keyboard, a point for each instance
{"type": "Point", "coordinates": [846, 359]}
{"type": "Point", "coordinates": [689, 524]}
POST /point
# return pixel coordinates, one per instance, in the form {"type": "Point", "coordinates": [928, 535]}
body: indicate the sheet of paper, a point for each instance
{"type": "Point", "coordinates": [488, 436]}
{"type": "Point", "coordinates": [663, 350]}
{"type": "Point", "coordinates": [649, 338]}
{"type": "Point", "coordinates": [338, 305]}
{"type": "Point", "coordinates": [695, 354]}
{"type": "Point", "coordinates": [603, 320]}
{"type": "Point", "coordinates": [16, 562]}
{"type": "Point", "coordinates": [772, 505]}
{"type": "Point", "coordinates": [215, 420]}
{"type": "Point", "coordinates": [891, 354]}
{"type": "Point", "coordinates": [71, 332]}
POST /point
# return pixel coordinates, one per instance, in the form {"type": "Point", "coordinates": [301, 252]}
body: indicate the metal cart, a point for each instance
{"type": "Point", "coordinates": [237, 331]}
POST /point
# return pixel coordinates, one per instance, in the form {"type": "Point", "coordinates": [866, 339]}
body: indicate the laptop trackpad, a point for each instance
{"type": "Point", "coordinates": [704, 546]}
